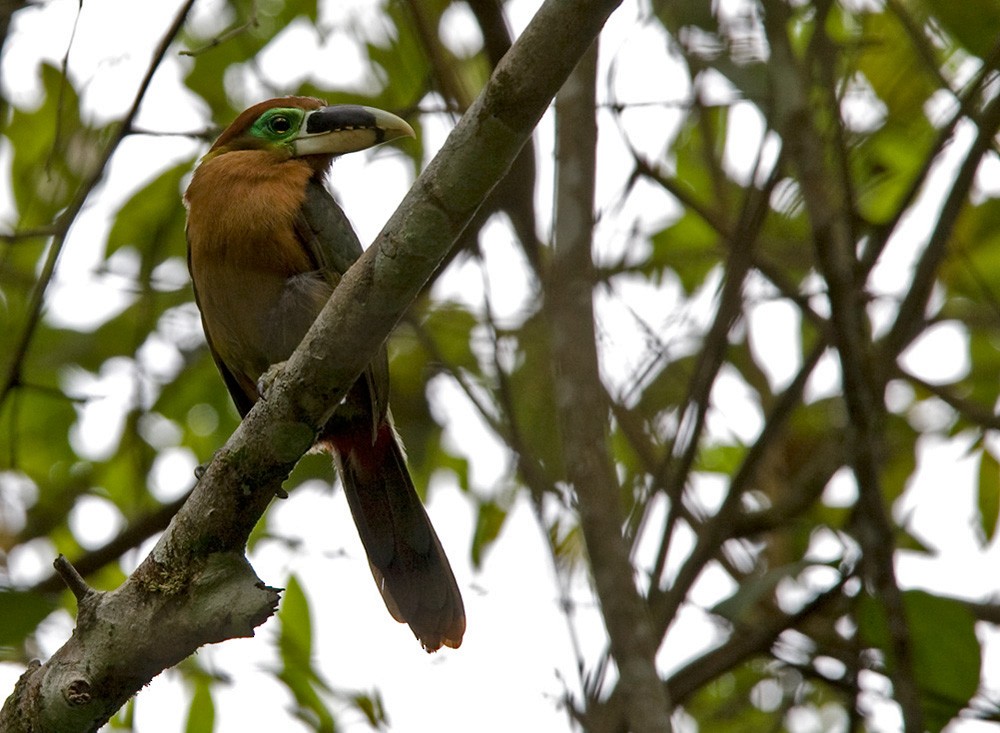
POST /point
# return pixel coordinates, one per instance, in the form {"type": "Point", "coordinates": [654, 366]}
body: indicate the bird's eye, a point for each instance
{"type": "Point", "coordinates": [280, 124]}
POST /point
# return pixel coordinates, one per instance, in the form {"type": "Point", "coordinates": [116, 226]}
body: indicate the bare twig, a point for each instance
{"type": "Point", "coordinates": [974, 412]}
{"type": "Point", "coordinates": [711, 534]}
{"type": "Point", "coordinates": [744, 643]}
{"type": "Point", "coordinates": [74, 581]}
{"type": "Point", "coordinates": [27, 234]}
{"type": "Point", "coordinates": [675, 469]}
{"type": "Point", "coordinates": [136, 532]}
{"type": "Point", "coordinates": [228, 34]}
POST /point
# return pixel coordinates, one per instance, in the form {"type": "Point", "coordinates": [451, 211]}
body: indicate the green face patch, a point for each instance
{"type": "Point", "coordinates": [278, 125]}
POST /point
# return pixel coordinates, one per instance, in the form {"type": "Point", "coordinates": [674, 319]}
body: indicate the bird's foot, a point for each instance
{"type": "Point", "coordinates": [201, 468]}
{"type": "Point", "coordinates": [268, 378]}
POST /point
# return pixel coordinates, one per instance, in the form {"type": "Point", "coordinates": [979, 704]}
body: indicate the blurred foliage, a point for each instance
{"type": "Point", "coordinates": [891, 89]}
{"type": "Point", "coordinates": [942, 630]}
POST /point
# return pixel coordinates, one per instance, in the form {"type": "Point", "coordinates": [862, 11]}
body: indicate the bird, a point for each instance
{"type": "Point", "coordinates": [267, 245]}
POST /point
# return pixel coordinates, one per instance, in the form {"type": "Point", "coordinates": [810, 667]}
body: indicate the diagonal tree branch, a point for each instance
{"type": "Point", "coordinates": [135, 533]}
{"type": "Point", "coordinates": [674, 471]}
{"type": "Point", "coordinates": [910, 317]}
{"type": "Point", "coordinates": [196, 586]}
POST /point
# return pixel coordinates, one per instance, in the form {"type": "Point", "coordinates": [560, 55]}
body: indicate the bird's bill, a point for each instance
{"type": "Point", "coordinates": [346, 128]}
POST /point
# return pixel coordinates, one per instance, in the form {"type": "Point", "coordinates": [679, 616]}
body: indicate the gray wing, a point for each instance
{"type": "Point", "coordinates": [332, 242]}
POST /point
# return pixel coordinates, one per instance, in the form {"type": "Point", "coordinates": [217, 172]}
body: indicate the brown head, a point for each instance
{"type": "Point", "coordinates": [305, 127]}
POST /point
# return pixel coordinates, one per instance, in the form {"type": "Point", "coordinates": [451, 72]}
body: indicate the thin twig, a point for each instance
{"type": "Point", "coordinates": [972, 411]}
{"type": "Point", "coordinates": [226, 35]}
{"type": "Point", "coordinates": [27, 234]}
{"type": "Point", "coordinates": [911, 311]}
{"type": "Point", "coordinates": [64, 81]}
{"type": "Point", "coordinates": [136, 532]}
{"type": "Point", "coordinates": [673, 473]}
{"type": "Point", "coordinates": [966, 107]}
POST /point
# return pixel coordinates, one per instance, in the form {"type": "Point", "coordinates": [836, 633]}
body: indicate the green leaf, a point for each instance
{"type": "Point", "coordinates": [904, 540]}
{"type": "Point", "coordinates": [199, 389]}
{"type": "Point", "coordinates": [886, 164]}
{"type": "Point", "coordinates": [566, 540]}
{"type": "Point", "coordinates": [901, 463]}
{"type": "Point", "coordinates": [972, 23]}
{"type": "Point", "coordinates": [945, 651]}
{"type": "Point", "coordinates": [676, 16]}
{"type": "Point", "coordinates": [295, 641]}
{"type": "Point", "coordinates": [124, 719]}
{"type": "Point", "coordinates": [21, 612]}
{"type": "Point", "coordinates": [402, 62]}
{"type": "Point", "coordinates": [719, 458]}
{"type": "Point", "coordinates": [152, 220]}
{"type": "Point", "coordinates": [297, 672]}
{"type": "Point", "coordinates": [35, 438]}
{"type": "Point", "coordinates": [689, 247]}
{"type": "Point", "coordinates": [725, 703]}
{"type": "Point", "coordinates": [742, 357]}
{"type": "Point", "coordinates": [489, 521]}
{"type": "Point", "coordinates": [669, 388]}
{"type": "Point", "coordinates": [371, 707]}
{"type": "Point", "coordinates": [411, 367]}
{"type": "Point", "coordinates": [532, 396]}
{"type": "Point", "coordinates": [452, 327]}
{"type": "Point", "coordinates": [215, 56]}
{"type": "Point", "coordinates": [988, 495]}
{"type": "Point", "coordinates": [898, 74]}
{"type": "Point", "coordinates": [201, 714]}
{"type": "Point", "coordinates": [53, 150]}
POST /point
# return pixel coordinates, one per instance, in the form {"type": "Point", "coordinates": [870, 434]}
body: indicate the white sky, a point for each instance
{"type": "Point", "coordinates": [517, 658]}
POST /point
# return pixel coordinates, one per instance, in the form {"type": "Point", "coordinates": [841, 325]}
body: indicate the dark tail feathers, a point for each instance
{"type": "Point", "coordinates": [410, 567]}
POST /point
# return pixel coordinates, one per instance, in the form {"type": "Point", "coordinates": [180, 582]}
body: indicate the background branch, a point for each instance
{"type": "Point", "coordinates": [582, 412]}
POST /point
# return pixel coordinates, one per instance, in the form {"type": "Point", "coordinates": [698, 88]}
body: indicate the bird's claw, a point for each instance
{"type": "Point", "coordinates": [201, 468]}
{"type": "Point", "coordinates": [268, 378]}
